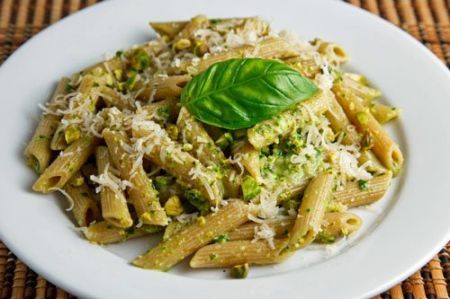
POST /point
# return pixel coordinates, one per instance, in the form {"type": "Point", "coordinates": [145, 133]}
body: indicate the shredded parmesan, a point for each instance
{"type": "Point", "coordinates": [69, 198]}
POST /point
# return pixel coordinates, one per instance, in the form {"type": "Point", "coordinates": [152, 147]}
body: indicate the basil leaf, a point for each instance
{"type": "Point", "coordinates": [238, 93]}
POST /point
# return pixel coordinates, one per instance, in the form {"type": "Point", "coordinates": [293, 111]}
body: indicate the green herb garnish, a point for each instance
{"type": "Point", "coordinates": [239, 93]}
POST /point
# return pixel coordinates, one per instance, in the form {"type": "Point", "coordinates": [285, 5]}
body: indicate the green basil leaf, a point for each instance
{"type": "Point", "coordinates": [238, 93]}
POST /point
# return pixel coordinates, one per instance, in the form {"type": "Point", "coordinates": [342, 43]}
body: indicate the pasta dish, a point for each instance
{"type": "Point", "coordinates": [241, 145]}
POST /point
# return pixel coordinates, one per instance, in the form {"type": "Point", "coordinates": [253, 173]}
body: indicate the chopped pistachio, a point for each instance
{"type": "Point", "coordinates": [362, 117]}
{"type": "Point", "coordinates": [187, 147]}
{"type": "Point", "coordinates": [173, 131]}
{"type": "Point", "coordinates": [201, 220]}
{"type": "Point", "coordinates": [173, 206]}
{"type": "Point", "coordinates": [239, 271]}
{"type": "Point", "coordinates": [71, 134]}
{"type": "Point", "coordinates": [250, 188]}
{"type": "Point", "coordinates": [182, 44]}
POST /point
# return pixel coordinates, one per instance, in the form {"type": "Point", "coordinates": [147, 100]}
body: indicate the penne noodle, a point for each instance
{"type": "Point", "coordinates": [169, 155]}
{"type": "Point", "coordinates": [233, 253]}
{"type": "Point", "coordinates": [353, 196]}
{"type": "Point", "coordinates": [334, 225]}
{"type": "Point", "coordinates": [65, 165]}
{"type": "Point", "coordinates": [361, 90]}
{"type": "Point", "coordinates": [104, 233]}
{"type": "Point", "coordinates": [187, 241]}
{"type": "Point", "coordinates": [340, 123]}
{"type": "Point", "coordinates": [162, 111]}
{"type": "Point", "coordinates": [383, 113]}
{"type": "Point", "coordinates": [113, 202]}
{"type": "Point", "coordinates": [311, 212]}
{"type": "Point", "coordinates": [206, 151]}
{"type": "Point", "coordinates": [141, 193]}
{"type": "Point", "coordinates": [334, 53]}
{"type": "Point", "coordinates": [38, 151]}
{"type": "Point", "coordinates": [84, 206]}
{"type": "Point", "coordinates": [383, 146]}
{"type": "Point", "coordinates": [245, 154]}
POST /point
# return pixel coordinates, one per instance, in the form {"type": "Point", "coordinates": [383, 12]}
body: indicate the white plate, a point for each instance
{"type": "Point", "coordinates": [410, 225]}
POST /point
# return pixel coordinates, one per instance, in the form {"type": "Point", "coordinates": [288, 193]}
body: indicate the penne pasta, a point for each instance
{"type": "Point", "coordinates": [104, 233]}
{"type": "Point", "coordinates": [141, 192]}
{"type": "Point", "coordinates": [169, 155]}
{"type": "Point", "coordinates": [65, 165]}
{"type": "Point", "coordinates": [38, 151]}
{"type": "Point", "coordinates": [187, 241]}
{"type": "Point", "coordinates": [233, 253]}
{"type": "Point", "coordinates": [84, 206]}
{"type": "Point", "coordinates": [311, 212]}
{"type": "Point", "coordinates": [113, 201]}
{"type": "Point", "coordinates": [206, 151]}
{"type": "Point", "coordinates": [383, 113]}
{"type": "Point", "coordinates": [383, 146]}
{"type": "Point", "coordinates": [353, 195]}
{"type": "Point", "coordinates": [333, 226]}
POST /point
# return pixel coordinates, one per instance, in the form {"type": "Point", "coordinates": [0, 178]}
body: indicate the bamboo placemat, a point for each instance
{"type": "Point", "coordinates": [426, 20]}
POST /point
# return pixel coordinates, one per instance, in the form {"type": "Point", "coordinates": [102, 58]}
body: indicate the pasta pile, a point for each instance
{"type": "Point", "coordinates": [133, 161]}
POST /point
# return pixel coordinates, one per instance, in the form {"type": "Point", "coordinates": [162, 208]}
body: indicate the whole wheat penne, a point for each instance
{"type": "Point", "coordinates": [245, 154]}
{"type": "Point", "coordinates": [169, 29]}
{"type": "Point", "coordinates": [334, 53]}
{"type": "Point", "coordinates": [65, 165]}
{"type": "Point", "coordinates": [361, 90]}
{"type": "Point", "coordinates": [383, 113]}
{"type": "Point", "coordinates": [38, 151]}
{"type": "Point", "coordinates": [187, 241]}
{"type": "Point", "coordinates": [271, 130]}
{"type": "Point", "coordinates": [113, 202]}
{"type": "Point", "coordinates": [206, 151]}
{"type": "Point", "coordinates": [383, 146]}
{"type": "Point", "coordinates": [340, 123]}
{"type": "Point", "coordinates": [304, 63]}
{"type": "Point", "coordinates": [58, 141]}
{"type": "Point", "coordinates": [311, 212]}
{"type": "Point", "coordinates": [169, 155]}
{"type": "Point", "coordinates": [353, 195]}
{"type": "Point", "coordinates": [164, 87]}
{"type": "Point", "coordinates": [239, 252]}
{"type": "Point", "coordinates": [104, 233]}
{"type": "Point", "coordinates": [190, 27]}
{"type": "Point", "coordinates": [290, 188]}
{"type": "Point", "coordinates": [141, 193]}
{"type": "Point", "coordinates": [83, 102]}
{"type": "Point", "coordinates": [374, 165]}
{"type": "Point", "coordinates": [246, 231]}
{"type": "Point", "coordinates": [162, 111]}
{"type": "Point", "coordinates": [84, 209]}
{"type": "Point", "coordinates": [334, 225]}
{"type": "Point", "coordinates": [271, 47]}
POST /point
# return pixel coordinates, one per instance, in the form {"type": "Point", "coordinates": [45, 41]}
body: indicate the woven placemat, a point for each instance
{"type": "Point", "coordinates": [426, 20]}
